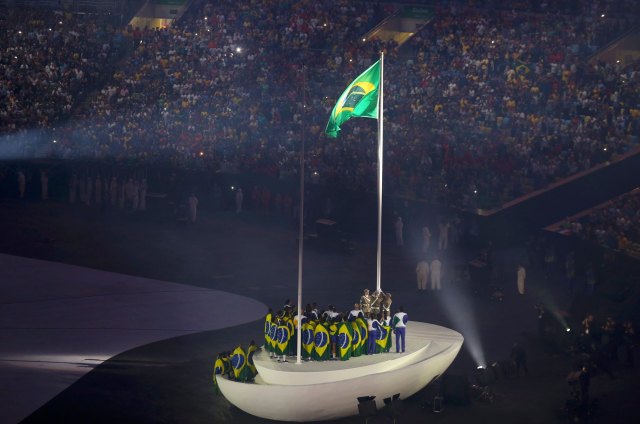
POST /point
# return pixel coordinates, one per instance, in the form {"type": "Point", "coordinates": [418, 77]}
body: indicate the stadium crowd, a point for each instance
{"type": "Point", "coordinates": [48, 61]}
{"type": "Point", "coordinates": [483, 105]}
{"type": "Point", "coordinates": [615, 225]}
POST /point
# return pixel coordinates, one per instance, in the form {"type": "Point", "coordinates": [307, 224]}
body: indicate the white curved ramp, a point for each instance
{"type": "Point", "coordinates": [58, 321]}
{"type": "Point", "coordinates": [430, 351]}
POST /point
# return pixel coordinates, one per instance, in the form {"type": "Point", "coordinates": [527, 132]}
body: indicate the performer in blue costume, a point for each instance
{"type": "Point", "coordinates": [399, 325]}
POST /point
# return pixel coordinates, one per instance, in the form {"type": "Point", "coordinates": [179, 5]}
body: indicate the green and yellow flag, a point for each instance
{"type": "Point", "coordinates": [250, 369]}
{"type": "Point", "coordinates": [238, 363]}
{"type": "Point", "coordinates": [364, 333]}
{"type": "Point", "coordinates": [267, 331]}
{"type": "Point", "coordinates": [321, 343]}
{"type": "Point", "coordinates": [307, 339]}
{"type": "Point", "coordinates": [344, 341]}
{"type": "Point", "coordinates": [356, 348]}
{"type": "Point", "coordinates": [359, 100]}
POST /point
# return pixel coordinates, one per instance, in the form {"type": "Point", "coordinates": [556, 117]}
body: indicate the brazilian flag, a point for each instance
{"type": "Point", "coordinates": [360, 99]}
{"type": "Point", "coordinates": [344, 341]}
{"type": "Point", "coordinates": [267, 331]}
{"type": "Point", "coordinates": [382, 338]}
{"type": "Point", "coordinates": [356, 348]}
{"type": "Point", "coordinates": [307, 339]}
{"type": "Point", "coordinates": [238, 363]}
{"type": "Point", "coordinates": [387, 328]}
{"type": "Point", "coordinates": [364, 333]}
{"type": "Point", "coordinates": [251, 368]}
{"type": "Point", "coordinates": [272, 336]}
{"type": "Point", "coordinates": [218, 369]}
{"type": "Point", "coordinates": [522, 68]}
{"type": "Point", "coordinates": [321, 350]}
{"type": "Point", "coordinates": [282, 339]}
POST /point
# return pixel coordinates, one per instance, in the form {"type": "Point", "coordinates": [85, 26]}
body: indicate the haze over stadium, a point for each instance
{"type": "Point", "coordinates": [160, 139]}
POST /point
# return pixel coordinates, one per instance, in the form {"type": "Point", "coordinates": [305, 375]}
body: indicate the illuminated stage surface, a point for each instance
{"type": "Point", "coordinates": [57, 322]}
{"type": "Point", "coordinates": [332, 387]}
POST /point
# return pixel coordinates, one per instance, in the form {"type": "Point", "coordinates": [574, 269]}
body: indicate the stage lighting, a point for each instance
{"type": "Point", "coordinates": [238, 49]}
{"type": "Point", "coordinates": [484, 377]}
{"type": "Point", "coordinates": [568, 329]}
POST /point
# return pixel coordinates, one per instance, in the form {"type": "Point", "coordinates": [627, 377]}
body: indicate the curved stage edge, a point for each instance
{"type": "Point", "coordinates": [58, 322]}
{"type": "Point", "coordinates": [335, 386]}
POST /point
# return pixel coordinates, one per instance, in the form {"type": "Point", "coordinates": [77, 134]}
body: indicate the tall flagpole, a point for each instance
{"type": "Point", "coordinates": [380, 166]}
{"type": "Point", "coordinates": [301, 219]}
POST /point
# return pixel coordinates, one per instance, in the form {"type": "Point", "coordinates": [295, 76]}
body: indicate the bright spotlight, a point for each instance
{"type": "Point", "coordinates": [364, 39]}
{"type": "Point", "coordinates": [568, 330]}
{"type": "Point", "coordinates": [480, 367]}
{"type": "Point", "coordinates": [459, 309]}
{"type": "Point", "coordinates": [238, 49]}
{"type": "Point", "coordinates": [55, 141]}
{"type": "Point", "coordinates": [233, 188]}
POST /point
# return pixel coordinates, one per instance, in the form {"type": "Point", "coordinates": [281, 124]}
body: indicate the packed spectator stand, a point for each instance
{"type": "Point", "coordinates": [48, 61]}
{"type": "Point", "coordinates": [483, 105]}
{"type": "Point", "coordinates": [615, 225]}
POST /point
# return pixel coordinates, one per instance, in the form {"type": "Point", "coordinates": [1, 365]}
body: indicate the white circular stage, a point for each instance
{"type": "Point", "coordinates": [332, 387]}
{"type": "Point", "coordinates": [57, 322]}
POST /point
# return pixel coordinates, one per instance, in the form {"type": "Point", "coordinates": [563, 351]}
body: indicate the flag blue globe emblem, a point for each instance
{"type": "Point", "coordinates": [382, 333]}
{"type": "Point", "coordinates": [321, 339]}
{"type": "Point", "coordinates": [343, 340]}
{"type": "Point", "coordinates": [237, 361]}
{"type": "Point", "coordinates": [307, 336]}
{"type": "Point", "coordinates": [279, 333]}
{"type": "Point", "coordinates": [356, 338]}
{"type": "Point", "coordinates": [283, 335]}
{"type": "Point", "coordinates": [273, 330]}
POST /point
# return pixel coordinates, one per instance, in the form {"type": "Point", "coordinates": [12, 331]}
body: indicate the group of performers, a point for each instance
{"type": "Point", "coordinates": [326, 335]}
{"type": "Point", "coordinates": [237, 365]}
{"type": "Point", "coordinates": [330, 335]}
